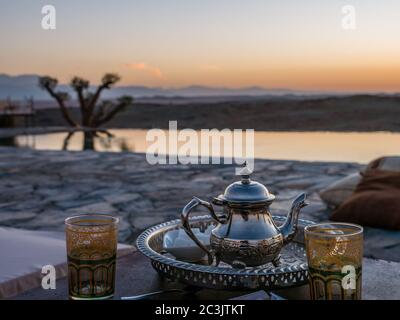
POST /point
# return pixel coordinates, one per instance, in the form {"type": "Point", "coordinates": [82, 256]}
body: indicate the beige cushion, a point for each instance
{"type": "Point", "coordinates": [336, 193]}
{"type": "Point", "coordinates": [375, 201]}
{"type": "Point", "coordinates": [23, 254]}
{"type": "Point", "coordinates": [390, 164]}
{"type": "Point", "coordinates": [339, 191]}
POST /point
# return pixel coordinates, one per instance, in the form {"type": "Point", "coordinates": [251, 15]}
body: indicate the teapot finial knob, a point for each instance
{"type": "Point", "coordinates": [245, 173]}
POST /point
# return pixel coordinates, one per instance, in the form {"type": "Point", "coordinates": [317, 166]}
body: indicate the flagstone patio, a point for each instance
{"type": "Point", "coordinates": [39, 189]}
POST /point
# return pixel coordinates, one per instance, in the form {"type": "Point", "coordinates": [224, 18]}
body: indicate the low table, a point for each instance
{"type": "Point", "coordinates": [135, 275]}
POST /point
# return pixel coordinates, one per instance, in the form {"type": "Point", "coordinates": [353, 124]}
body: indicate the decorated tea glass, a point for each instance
{"type": "Point", "coordinates": [91, 253]}
{"type": "Point", "coordinates": [334, 254]}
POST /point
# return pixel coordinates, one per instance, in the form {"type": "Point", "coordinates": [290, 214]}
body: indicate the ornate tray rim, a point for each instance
{"type": "Point", "coordinates": [142, 243]}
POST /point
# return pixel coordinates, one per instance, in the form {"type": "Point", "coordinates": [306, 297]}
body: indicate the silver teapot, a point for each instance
{"type": "Point", "coordinates": [245, 235]}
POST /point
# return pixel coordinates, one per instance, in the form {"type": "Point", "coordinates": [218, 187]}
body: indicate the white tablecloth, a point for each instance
{"type": "Point", "coordinates": [23, 253]}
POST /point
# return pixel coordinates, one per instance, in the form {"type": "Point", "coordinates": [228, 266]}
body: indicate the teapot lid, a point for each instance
{"type": "Point", "coordinates": [245, 191]}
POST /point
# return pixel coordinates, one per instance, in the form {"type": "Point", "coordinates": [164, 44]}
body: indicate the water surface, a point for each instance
{"type": "Point", "coordinates": [307, 146]}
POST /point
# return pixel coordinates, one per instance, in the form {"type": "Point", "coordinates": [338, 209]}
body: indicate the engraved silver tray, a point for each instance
{"type": "Point", "coordinates": [292, 271]}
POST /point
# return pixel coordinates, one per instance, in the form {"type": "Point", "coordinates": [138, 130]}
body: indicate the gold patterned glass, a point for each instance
{"type": "Point", "coordinates": [91, 252]}
{"type": "Point", "coordinates": [334, 254]}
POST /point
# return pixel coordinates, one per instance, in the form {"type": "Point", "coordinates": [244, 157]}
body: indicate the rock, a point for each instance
{"type": "Point", "coordinates": [48, 220]}
{"type": "Point", "coordinates": [74, 203]}
{"type": "Point", "coordinates": [124, 229]}
{"type": "Point", "coordinates": [279, 167]}
{"type": "Point", "coordinates": [138, 207]}
{"type": "Point", "coordinates": [121, 198]}
{"type": "Point", "coordinates": [143, 222]}
{"type": "Point", "coordinates": [101, 207]}
{"type": "Point", "coordinates": [12, 218]}
{"type": "Point", "coordinates": [63, 196]}
{"type": "Point", "coordinates": [296, 184]}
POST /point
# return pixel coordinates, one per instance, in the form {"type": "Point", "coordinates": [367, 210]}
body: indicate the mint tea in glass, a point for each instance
{"type": "Point", "coordinates": [334, 254]}
{"type": "Point", "coordinates": [91, 252]}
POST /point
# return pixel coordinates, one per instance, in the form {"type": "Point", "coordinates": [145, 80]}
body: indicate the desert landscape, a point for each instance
{"type": "Point", "coordinates": [355, 113]}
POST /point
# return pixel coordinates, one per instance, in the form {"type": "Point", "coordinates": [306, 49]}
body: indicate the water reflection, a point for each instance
{"type": "Point", "coordinates": [88, 138]}
{"type": "Point", "coordinates": [308, 146]}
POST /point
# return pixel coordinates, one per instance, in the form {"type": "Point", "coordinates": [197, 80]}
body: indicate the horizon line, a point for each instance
{"type": "Point", "coordinates": [289, 90]}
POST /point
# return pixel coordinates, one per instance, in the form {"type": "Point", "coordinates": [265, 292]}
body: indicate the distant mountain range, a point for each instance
{"type": "Point", "coordinates": [23, 86]}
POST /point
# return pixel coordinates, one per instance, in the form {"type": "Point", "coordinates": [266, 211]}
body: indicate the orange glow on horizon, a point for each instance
{"type": "Point", "coordinates": [258, 43]}
{"type": "Point", "coordinates": [345, 78]}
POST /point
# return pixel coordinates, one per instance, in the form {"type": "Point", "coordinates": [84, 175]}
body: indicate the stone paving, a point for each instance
{"type": "Point", "coordinates": [39, 189]}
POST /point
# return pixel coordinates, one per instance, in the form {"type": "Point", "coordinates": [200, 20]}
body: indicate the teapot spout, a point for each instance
{"type": "Point", "coordinates": [289, 228]}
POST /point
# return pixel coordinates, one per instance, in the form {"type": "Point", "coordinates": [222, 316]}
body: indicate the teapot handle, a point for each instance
{"type": "Point", "coordinates": [186, 225]}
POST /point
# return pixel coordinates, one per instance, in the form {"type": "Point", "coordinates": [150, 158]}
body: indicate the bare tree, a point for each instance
{"type": "Point", "coordinates": [94, 112]}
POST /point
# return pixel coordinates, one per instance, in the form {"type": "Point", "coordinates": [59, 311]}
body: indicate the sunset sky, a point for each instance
{"type": "Point", "coordinates": [169, 43]}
